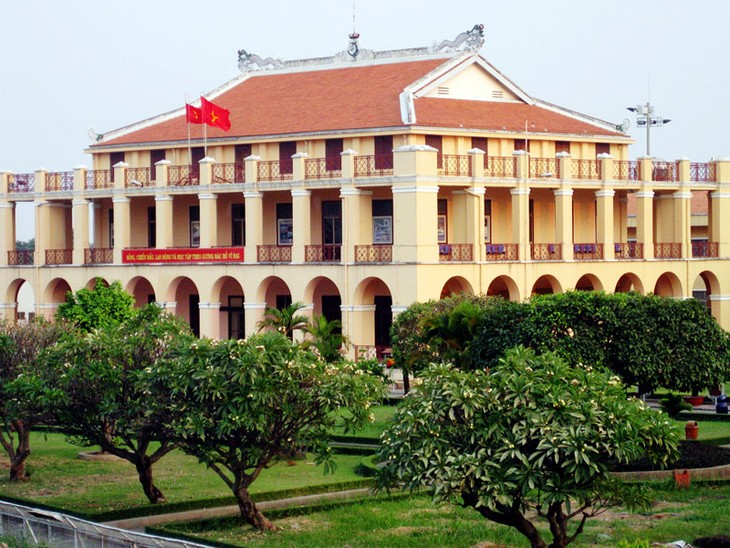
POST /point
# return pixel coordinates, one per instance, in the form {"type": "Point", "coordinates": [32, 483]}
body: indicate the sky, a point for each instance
{"type": "Point", "coordinates": [68, 66]}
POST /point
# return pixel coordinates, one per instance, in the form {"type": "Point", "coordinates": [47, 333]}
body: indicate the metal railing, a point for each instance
{"type": "Point", "coordinates": [588, 252]}
{"type": "Point", "coordinates": [544, 167]}
{"type": "Point", "coordinates": [137, 177]}
{"type": "Point", "coordinates": [628, 250]}
{"type": "Point", "coordinates": [455, 165]}
{"type": "Point", "coordinates": [449, 253]}
{"type": "Point", "coordinates": [502, 252]}
{"type": "Point", "coordinates": [587, 169]}
{"type": "Point", "coordinates": [325, 253]}
{"type": "Point", "coordinates": [667, 250]}
{"type": "Point", "coordinates": [664, 171]}
{"type": "Point", "coordinates": [500, 166]}
{"type": "Point", "coordinates": [21, 182]}
{"type": "Point", "coordinates": [626, 170]}
{"type": "Point", "coordinates": [59, 256]}
{"type": "Point", "coordinates": [98, 179]}
{"type": "Point", "coordinates": [373, 253]}
{"type": "Point", "coordinates": [98, 255]}
{"type": "Point", "coordinates": [183, 175]}
{"type": "Point", "coordinates": [702, 172]}
{"type": "Point", "coordinates": [275, 170]}
{"type": "Point", "coordinates": [21, 257]}
{"type": "Point", "coordinates": [61, 181]}
{"type": "Point", "coordinates": [705, 249]}
{"type": "Point", "coordinates": [546, 252]}
{"type": "Point", "coordinates": [228, 173]}
{"type": "Point", "coordinates": [273, 253]}
{"type": "Point", "coordinates": [371, 352]}
{"type": "Point", "coordinates": [376, 165]}
{"type": "Point", "coordinates": [323, 168]}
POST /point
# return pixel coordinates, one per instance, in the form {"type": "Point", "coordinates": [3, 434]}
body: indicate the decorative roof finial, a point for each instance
{"type": "Point", "coordinates": [354, 48]}
{"type": "Point", "coordinates": [471, 40]}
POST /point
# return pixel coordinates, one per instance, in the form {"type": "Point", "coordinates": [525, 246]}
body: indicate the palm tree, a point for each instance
{"type": "Point", "coordinates": [285, 320]}
{"type": "Point", "coordinates": [327, 338]}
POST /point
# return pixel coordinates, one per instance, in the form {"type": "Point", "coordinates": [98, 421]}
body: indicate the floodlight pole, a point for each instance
{"type": "Point", "coordinates": [645, 116]}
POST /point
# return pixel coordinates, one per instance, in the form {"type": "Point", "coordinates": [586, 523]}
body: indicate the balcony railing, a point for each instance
{"type": "Point", "coordinates": [183, 175]}
{"type": "Point", "coordinates": [702, 172]}
{"type": "Point", "coordinates": [502, 252]}
{"type": "Point", "coordinates": [323, 168]}
{"type": "Point", "coordinates": [705, 249]}
{"type": "Point", "coordinates": [588, 252]}
{"type": "Point", "coordinates": [378, 165]}
{"type": "Point", "coordinates": [456, 253]}
{"type": "Point", "coordinates": [275, 170]}
{"type": "Point", "coordinates": [99, 179]}
{"type": "Point", "coordinates": [664, 171]}
{"type": "Point", "coordinates": [21, 257]}
{"type": "Point", "coordinates": [61, 181]}
{"type": "Point", "coordinates": [455, 165]}
{"type": "Point", "coordinates": [59, 256]}
{"type": "Point", "coordinates": [21, 182]}
{"type": "Point", "coordinates": [628, 250]}
{"type": "Point", "coordinates": [501, 166]}
{"type": "Point", "coordinates": [98, 255]}
{"type": "Point", "coordinates": [273, 253]}
{"type": "Point", "coordinates": [667, 250]}
{"type": "Point", "coordinates": [371, 352]}
{"type": "Point", "coordinates": [544, 167]}
{"type": "Point", "coordinates": [228, 173]}
{"type": "Point", "coordinates": [626, 170]}
{"type": "Point", "coordinates": [546, 252]}
{"type": "Point", "coordinates": [586, 169]}
{"type": "Point", "coordinates": [373, 253]}
{"type": "Point", "coordinates": [137, 177]}
{"type": "Point", "coordinates": [326, 253]}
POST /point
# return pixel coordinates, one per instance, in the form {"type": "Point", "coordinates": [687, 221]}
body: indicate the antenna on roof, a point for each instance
{"type": "Point", "coordinates": [354, 48]}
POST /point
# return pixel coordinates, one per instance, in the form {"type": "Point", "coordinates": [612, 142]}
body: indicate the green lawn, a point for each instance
{"type": "Point", "coordinates": [381, 414]}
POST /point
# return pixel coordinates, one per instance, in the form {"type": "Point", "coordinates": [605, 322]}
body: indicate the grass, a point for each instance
{"type": "Point", "coordinates": [416, 522]}
{"type": "Point", "coordinates": [60, 479]}
{"type": "Point", "coordinates": [381, 414]}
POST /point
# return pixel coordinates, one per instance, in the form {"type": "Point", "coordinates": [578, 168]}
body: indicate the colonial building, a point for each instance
{"type": "Point", "coordinates": [361, 183]}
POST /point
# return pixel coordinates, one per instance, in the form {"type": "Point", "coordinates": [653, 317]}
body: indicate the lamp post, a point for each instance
{"type": "Point", "coordinates": [645, 117]}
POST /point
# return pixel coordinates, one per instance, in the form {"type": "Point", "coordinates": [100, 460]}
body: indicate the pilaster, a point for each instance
{"type": "Point", "coordinates": [645, 220]}
{"type": "Point", "coordinates": [357, 217]}
{"type": "Point", "coordinates": [521, 220]}
{"type": "Point", "coordinates": [163, 221]}
{"type": "Point", "coordinates": [208, 218]}
{"type": "Point", "coordinates": [564, 221]}
{"type": "Point", "coordinates": [604, 221]}
{"type": "Point", "coordinates": [301, 218]}
{"type": "Point", "coordinates": [253, 202]}
{"type": "Point", "coordinates": [122, 226]}
{"type": "Point", "coordinates": [415, 230]}
{"type": "Point", "coordinates": [682, 220]}
{"type": "Point", "coordinates": [81, 229]}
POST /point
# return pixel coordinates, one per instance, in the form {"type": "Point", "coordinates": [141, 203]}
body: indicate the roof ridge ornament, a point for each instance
{"type": "Point", "coordinates": [471, 40]}
{"type": "Point", "coordinates": [250, 62]}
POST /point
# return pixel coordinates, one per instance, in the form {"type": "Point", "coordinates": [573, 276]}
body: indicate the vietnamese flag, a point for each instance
{"type": "Point", "coordinates": [193, 115]}
{"type": "Point", "coordinates": [213, 115]}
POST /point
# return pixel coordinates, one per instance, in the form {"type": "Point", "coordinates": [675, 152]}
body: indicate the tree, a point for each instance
{"type": "Point", "coordinates": [535, 436]}
{"type": "Point", "coordinates": [98, 389]}
{"type": "Point", "coordinates": [103, 306]}
{"type": "Point", "coordinates": [238, 404]}
{"type": "Point", "coordinates": [326, 336]}
{"type": "Point", "coordinates": [20, 347]}
{"type": "Point", "coordinates": [285, 321]}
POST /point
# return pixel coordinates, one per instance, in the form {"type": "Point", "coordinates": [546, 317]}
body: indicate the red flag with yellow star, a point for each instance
{"type": "Point", "coordinates": [213, 115]}
{"type": "Point", "coordinates": [193, 115]}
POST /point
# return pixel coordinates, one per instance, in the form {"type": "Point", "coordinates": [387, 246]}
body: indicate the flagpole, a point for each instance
{"type": "Point", "coordinates": [205, 131]}
{"type": "Point", "coordinates": [187, 119]}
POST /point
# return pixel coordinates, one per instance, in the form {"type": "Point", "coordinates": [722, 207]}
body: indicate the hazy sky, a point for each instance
{"type": "Point", "coordinates": [67, 66]}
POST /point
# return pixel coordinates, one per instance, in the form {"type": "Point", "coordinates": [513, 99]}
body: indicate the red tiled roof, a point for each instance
{"type": "Point", "coordinates": [500, 116]}
{"type": "Point", "coordinates": [357, 97]}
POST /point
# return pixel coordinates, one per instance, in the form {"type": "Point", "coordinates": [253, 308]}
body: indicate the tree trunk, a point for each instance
{"type": "Point", "coordinates": [406, 381]}
{"type": "Point", "coordinates": [144, 469]}
{"type": "Point", "coordinates": [17, 460]}
{"type": "Point", "coordinates": [250, 513]}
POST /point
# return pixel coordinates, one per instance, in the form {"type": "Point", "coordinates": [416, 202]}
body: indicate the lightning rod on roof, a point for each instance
{"type": "Point", "coordinates": [354, 48]}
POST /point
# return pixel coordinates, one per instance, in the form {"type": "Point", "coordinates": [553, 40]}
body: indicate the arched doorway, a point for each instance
{"type": "Point", "coordinates": [505, 287]}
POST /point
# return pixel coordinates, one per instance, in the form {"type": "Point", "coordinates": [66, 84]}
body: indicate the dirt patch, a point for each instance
{"type": "Point", "coordinates": [693, 454]}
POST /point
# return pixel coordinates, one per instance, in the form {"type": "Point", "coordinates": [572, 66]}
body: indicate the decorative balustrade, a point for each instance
{"type": "Point", "coordinates": [588, 252]}
{"type": "Point", "coordinates": [704, 249]}
{"type": "Point", "coordinates": [137, 177]}
{"type": "Point", "coordinates": [323, 168]}
{"type": "Point", "coordinates": [544, 167]}
{"type": "Point", "coordinates": [61, 181]}
{"type": "Point", "coordinates": [502, 252]}
{"type": "Point", "coordinates": [455, 165]}
{"type": "Point", "coordinates": [667, 250]}
{"type": "Point", "coordinates": [586, 169]}
{"type": "Point", "coordinates": [500, 166]}
{"type": "Point", "coordinates": [628, 250]}
{"type": "Point", "coordinates": [21, 257]}
{"type": "Point", "coordinates": [99, 179]}
{"type": "Point", "coordinates": [372, 352]}
{"type": "Point", "coordinates": [626, 170]}
{"type": "Point", "coordinates": [228, 173]}
{"type": "Point", "coordinates": [326, 253]}
{"type": "Point", "coordinates": [59, 256]}
{"type": "Point", "coordinates": [373, 253]}
{"type": "Point", "coordinates": [449, 253]}
{"type": "Point", "coordinates": [275, 170]}
{"type": "Point", "coordinates": [183, 175]}
{"type": "Point", "coordinates": [664, 171]}
{"type": "Point", "coordinates": [702, 172]}
{"type": "Point", "coordinates": [546, 252]}
{"type": "Point", "coordinates": [98, 255]}
{"type": "Point", "coordinates": [377, 165]}
{"type": "Point", "coordinates": [273, 253]}
{"type": "Point", "coordinates": [21, 182]}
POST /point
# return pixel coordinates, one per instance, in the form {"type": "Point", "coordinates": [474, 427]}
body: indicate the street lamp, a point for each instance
{"type": "Point", "coordinates": [645, 118]}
